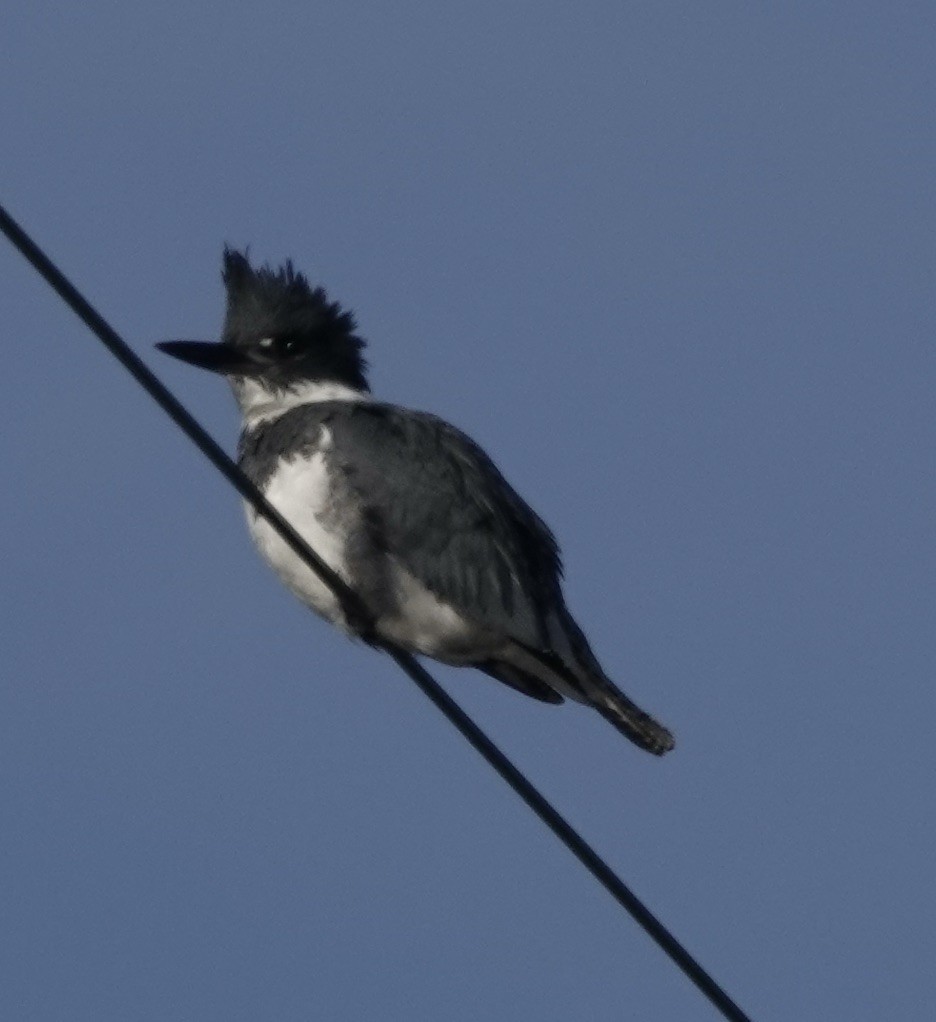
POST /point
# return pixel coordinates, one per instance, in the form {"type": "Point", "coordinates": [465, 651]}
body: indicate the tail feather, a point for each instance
{"type": "Point", "coordinates": [586, 683]}
{"type": "Point", "coordinates": [631, 721]}
{"type": "Point", "coordinates": [606, 697]}
{"type": "Point", "coordinates": [522, 681]}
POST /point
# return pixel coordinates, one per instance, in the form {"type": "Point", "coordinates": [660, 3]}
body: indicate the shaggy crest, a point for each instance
{"type": "Point", "coordinates": [267, 302]}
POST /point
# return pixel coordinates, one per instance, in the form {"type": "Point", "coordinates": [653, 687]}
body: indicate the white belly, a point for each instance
{"type": "Point", "coordinates": [301, 492]}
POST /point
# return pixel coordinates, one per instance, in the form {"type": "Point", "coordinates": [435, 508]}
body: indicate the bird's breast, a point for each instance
{"type": "Point", "coordinates": [302, 489]}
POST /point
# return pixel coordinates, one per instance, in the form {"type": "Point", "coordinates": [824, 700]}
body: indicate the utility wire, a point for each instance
{"type": "Point", "coordinates": [362, 621]}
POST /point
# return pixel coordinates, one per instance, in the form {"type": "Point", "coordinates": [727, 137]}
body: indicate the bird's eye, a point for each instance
{"type": "Point", "coordinates": [281, 345]}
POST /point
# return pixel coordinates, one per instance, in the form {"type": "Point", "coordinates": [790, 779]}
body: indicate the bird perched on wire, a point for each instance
{"type": "Point", "coordinates": [445, 557]}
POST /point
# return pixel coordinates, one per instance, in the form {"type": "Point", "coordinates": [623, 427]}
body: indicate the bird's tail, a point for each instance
{"type": "Point", "coordinates": [629, 719]}
{"type": "Point", "coordinates": [601, 692]}
{"type": "Point", "coordinates": [547, 676]}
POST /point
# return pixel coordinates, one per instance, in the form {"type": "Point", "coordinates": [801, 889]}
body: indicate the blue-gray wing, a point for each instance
{"type": "Point", "coordinates": [438, 504]}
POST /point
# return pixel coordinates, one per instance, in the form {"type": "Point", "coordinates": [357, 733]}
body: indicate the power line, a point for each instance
{"type": "Point", "coordinates": [362, 622]}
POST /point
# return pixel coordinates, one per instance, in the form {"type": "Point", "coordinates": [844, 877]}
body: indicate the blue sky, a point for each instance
{"type": "Point", "coordinates": [673, 265]}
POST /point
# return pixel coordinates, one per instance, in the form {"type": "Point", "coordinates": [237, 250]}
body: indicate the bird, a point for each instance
{"type": "Point", "coordinates": [443, 555]}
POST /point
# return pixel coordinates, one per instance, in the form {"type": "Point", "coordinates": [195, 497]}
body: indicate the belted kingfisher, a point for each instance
{"type": "Point", "coordinates": [447, 559]}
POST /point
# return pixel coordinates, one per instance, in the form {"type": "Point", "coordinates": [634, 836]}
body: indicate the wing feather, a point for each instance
{"type": "Point", "coordinates": [441, 507]}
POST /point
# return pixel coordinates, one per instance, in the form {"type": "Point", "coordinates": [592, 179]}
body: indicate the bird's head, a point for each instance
{"type": "Point", "coordinates": [279, 333]}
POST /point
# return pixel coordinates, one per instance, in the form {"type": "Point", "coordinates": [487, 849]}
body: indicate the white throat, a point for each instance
{"type": "Point", "coordinates": [259, 403]}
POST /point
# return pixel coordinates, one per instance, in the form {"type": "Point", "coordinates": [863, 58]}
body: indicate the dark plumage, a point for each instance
{"type": "Point", "coordinates": [434, 499]}
{"type": "Point", "coordinates": [314, 337]}
{"type": "Point", "coordinates": [448, 559]}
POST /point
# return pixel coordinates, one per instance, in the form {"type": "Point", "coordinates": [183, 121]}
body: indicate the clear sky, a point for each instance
{"type": "Point", "coordinates": [673, 265]}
